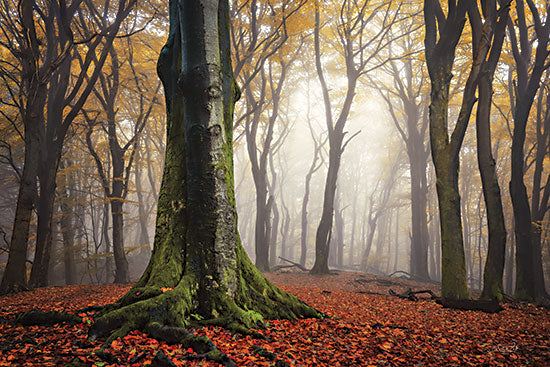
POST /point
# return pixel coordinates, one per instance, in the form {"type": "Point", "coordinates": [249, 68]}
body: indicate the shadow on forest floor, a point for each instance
{"type": "Point", "coordinates": [369, 328]}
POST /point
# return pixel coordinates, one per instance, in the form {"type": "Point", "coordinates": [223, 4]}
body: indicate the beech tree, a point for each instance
{"type": "Point", "coordinates": [359, 49]}
{"type": "Point", "coordinates": [260, 32]}
{"type": "Point", "coordinates": [405, 96]}
{"type": "Point", "coordinates": [496, 20]}
{"type": "Point", "coordinates": [123, 145]}
{"type": "Point", "coordinates": [199, 273]}
{"type": "Point", "coordinates": [41, 38]}
{"type": "Point", "coordinates": [443, 32]}
{"type": "Point", "coordinates": [529, 274]}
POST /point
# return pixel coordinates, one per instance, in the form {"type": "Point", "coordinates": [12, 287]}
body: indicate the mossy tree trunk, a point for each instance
{"type": "Point", "coordinates": [197, 252]}
{"type": "Point", "coordinates": [442, 36]}
{"type": "Point", "coordinates": [494, 266]}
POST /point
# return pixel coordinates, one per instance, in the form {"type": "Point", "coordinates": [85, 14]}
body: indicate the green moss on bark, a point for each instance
{"type": "Point", "coordinates": [199, 273]}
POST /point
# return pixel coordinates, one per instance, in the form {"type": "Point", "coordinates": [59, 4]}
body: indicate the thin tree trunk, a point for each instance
{"type": "Point", "coordinates": [273, 232]}
{"type": "Point", "coordinates": [528, 82]}
{"type": "Point", "coordinates": [67, 225]}
{"type": "Point", "coordinates": [144, 241]}
{"type": "Point", "coordinates": [41, 263]}
{"type": "Point", "coordinates": [15, 274]}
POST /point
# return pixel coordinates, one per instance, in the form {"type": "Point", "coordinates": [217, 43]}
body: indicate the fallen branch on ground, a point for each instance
{"type": "Point", "coordinates": [294, 264]}
{"type": "Point", "coordinates": [411, 295]}
{"type": "Point", "coordinates": [489, 306]}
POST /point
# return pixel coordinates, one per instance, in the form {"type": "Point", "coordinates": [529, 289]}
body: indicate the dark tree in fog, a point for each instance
{"type": "Point", "coordinates": [529, 274]}
{"type": "Point", "coordinates": [496, 20]}
{"type": "Point", "coordinates": [406, 101]}
{"type": "Point", "coordinates": [359, 49]}
{"type": "Point", "coordinates": [41, 38]}
{"type": "Point", "coordinates": [443, 32]}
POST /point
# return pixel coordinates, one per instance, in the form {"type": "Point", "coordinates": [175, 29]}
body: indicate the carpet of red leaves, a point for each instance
{"type": "Point", "coordinates": [366, 330]}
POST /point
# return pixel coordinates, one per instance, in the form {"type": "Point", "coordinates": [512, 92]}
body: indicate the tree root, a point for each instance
{"type": "Point", "coordinates": [46, 318]}
{"type": "Point", "coordinates": [167, 316]}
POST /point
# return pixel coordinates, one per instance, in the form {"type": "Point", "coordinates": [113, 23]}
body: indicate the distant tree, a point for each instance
{"type": "Point", "coordinates": [359, 49]}
{"type": "Point", "coordinates": [65, 99]}
{"type": "Point", "coordinates": [122, 128]}
{"type": "Point", "coordinates": [379, 202]}
{"type": "Point", "coordinates": [199, 273]}
{"type": "Point", "coordinates": [406, 98]}
{"type": "Point", "coordinates": [316, 163]}
{"type": "Point", "coordinates": [260, 44]}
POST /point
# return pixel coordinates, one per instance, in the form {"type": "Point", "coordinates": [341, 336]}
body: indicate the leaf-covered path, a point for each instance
{"type": "Point", "coordinates": [367, 329]}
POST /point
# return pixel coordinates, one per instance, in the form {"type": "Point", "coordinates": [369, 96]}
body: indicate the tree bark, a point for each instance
{"type": "Point", "coordinates": [440, 55]}
{"type": "Point", "coordinates": [527, 288]}
{"type": "Point", "coordinates": [336, 137]}
{"type": "Point", "coordinates": [198, 266]}
{"type": "Point", "coordinates": [67, 223]}
{"type": "Point", "coordinates": [34, 86]}
{"type": "Point", "coordinates": [15, 274]}
{"type": "Point", "coordinates": [47, 175]}
{"type": "Point", "coordinates": [541, 191]}
{"type": "Point", "coordinates": [494, 265]}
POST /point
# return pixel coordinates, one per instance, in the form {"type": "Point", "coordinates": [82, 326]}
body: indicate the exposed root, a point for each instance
{"type": "Point", "coordinates": [93, 309]}
{"type": "Point", "coordinates": [168, 306]}
{"type": "Point", "coordinates": [46, 318]}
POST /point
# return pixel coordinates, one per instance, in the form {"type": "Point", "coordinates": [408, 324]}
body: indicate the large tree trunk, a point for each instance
{"type": "Point", "coordinates": [198, 266]}
{"type": "Point", "coordinates": [453, 277]}
{"type": "Point", "coordinates": [440, 55]}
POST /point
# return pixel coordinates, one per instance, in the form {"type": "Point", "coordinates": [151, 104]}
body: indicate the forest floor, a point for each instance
{"type": "Point", "coordinates": [369, 328]}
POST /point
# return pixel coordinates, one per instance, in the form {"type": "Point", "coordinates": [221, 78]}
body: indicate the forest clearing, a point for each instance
{"type": "Point", "coordinates": [365, 330]}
